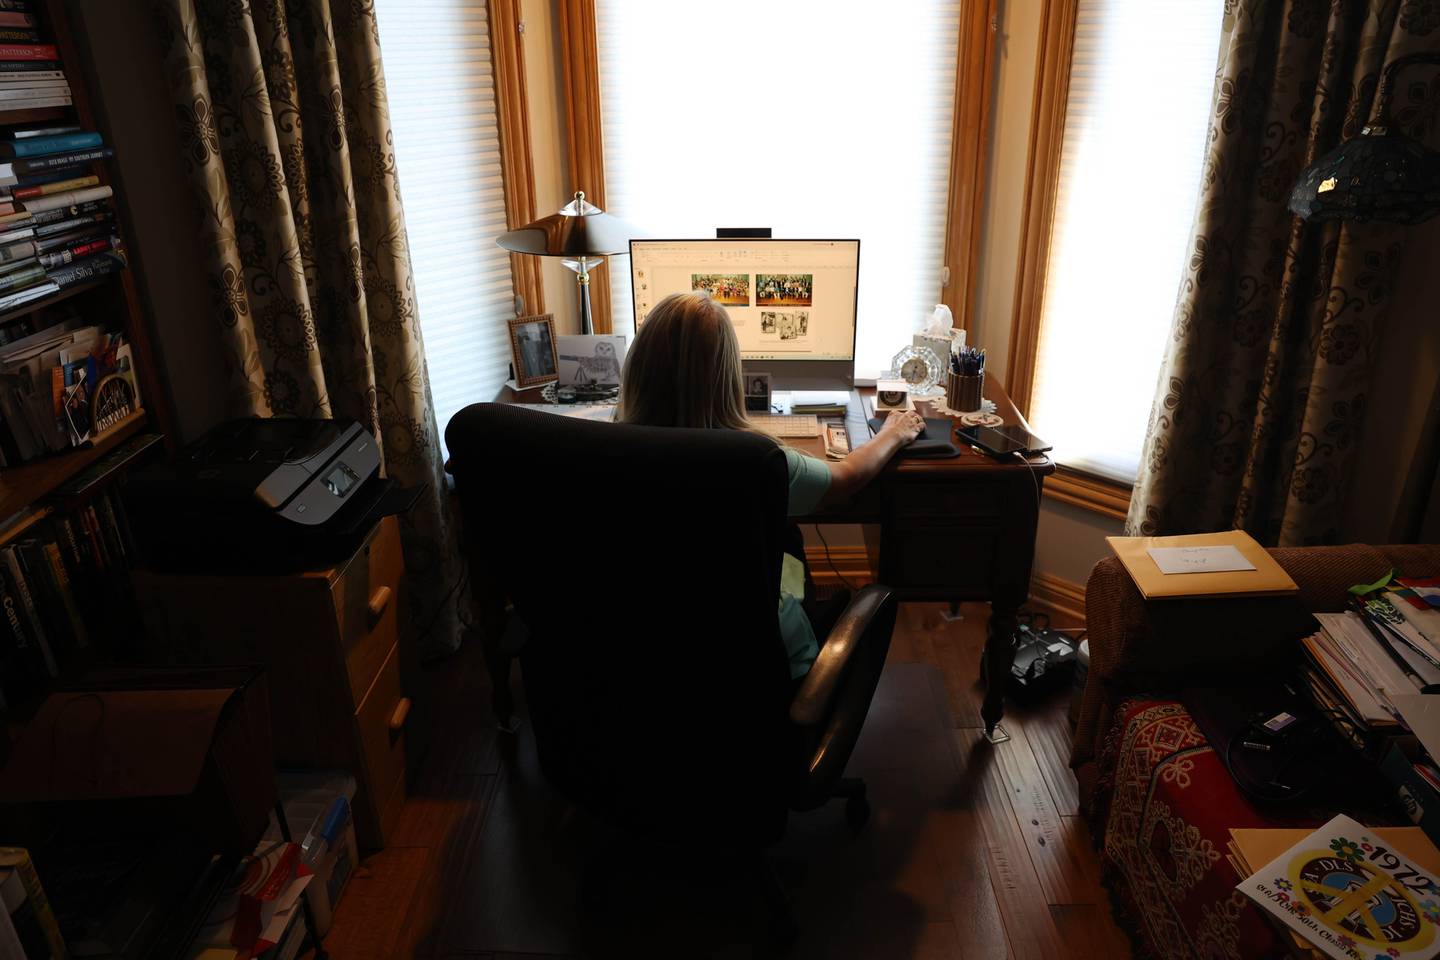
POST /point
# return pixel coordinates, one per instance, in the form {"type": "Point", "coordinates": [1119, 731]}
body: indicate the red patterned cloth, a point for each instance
{"type": "Point", "coordinates": [1168, 805]}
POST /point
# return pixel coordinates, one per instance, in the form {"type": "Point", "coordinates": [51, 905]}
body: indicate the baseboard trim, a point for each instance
{"type": "Point", "coordinates": [1061, 599]}
{"type": "Point", "coordinates": [852, 563]}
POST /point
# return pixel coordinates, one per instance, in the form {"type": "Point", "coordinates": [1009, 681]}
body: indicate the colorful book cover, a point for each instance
{"type": "Point", "coordinates": [1346, 892]}
{"type": "Point", "coordinates": [29, 52]}
{"type": "Point", "coordinates": [44, 146]}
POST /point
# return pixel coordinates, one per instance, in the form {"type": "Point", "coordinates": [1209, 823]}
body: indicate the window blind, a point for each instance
{"type": "Point", "coordinates": [818, 118]}
{"type": "Point", "coordinates": [440, 82]}
{"type": "Point", "coordinates": [1136, 123]}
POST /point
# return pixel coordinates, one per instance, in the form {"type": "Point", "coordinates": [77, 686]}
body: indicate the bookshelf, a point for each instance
{"type": "Point", "coordinates": [113, 300]}
{"type": "Point", "coordinates": [65, 552]}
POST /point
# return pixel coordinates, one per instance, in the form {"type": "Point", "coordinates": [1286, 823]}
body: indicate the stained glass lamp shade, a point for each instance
{"type": "Point", "coordinates": [1380, 175]}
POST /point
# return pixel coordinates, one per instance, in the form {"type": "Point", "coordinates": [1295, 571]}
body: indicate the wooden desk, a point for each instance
{"type": "Point", "coordinates": [953, 530]}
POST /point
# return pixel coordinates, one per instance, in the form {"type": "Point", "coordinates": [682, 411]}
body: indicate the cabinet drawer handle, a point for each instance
{"type": "Point", "coordinates": [397, 718]}
{"type": "Point", "coordinates": [379, 600]}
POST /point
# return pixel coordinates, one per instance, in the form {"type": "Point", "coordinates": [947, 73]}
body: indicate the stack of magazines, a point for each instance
{"type": "Point", "coordinates": [1386, 647]}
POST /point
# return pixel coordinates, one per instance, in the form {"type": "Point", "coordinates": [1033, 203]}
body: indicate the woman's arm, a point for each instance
{"type": "Point", "coordinates": [866, 461]}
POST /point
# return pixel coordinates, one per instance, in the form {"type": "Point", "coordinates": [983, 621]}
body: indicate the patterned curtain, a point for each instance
{"type": "Point", "coordinates": [1262, 390]}
{"type": "Point", "coordinates": [286, 133]}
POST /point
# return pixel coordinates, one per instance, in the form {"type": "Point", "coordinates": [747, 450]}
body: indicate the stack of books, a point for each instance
{"type": "Point", "coordinates": [31, 75]}
{"type": "Point", "coordinates": [58, 589]}
{"type": "Point", "coordinates": [64, 386]}
{"type": "Point", "coordinates": [57, 221]}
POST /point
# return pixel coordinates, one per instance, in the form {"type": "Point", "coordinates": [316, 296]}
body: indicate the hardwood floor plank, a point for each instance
{"type": "Point", "coordinates": [1066, 873]}
{"type": "Point", "coordinates": [371, 916]}
{"type": "Point", "coordinates": [1089, 932]}
{"type": "Point", "coordinates": [1018, 890]}
{"type": "Point", "coordinates": [1047, 729]}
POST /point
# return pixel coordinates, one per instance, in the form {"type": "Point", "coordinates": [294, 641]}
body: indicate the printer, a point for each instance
{"type": "Point", "coordinates": [262, 495]}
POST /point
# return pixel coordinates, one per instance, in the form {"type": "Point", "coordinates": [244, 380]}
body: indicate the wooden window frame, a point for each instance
{"type": "Point", "coordinates": [1042, 175]}
{"type": "Point", "coordinates": [970, 143]}
{"type": "Point", "coordinates": [517, 164]}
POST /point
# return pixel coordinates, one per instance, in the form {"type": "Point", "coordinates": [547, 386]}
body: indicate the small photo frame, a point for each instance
{"type": "Point", "coordinates": [532, 348]}
{"type": "Point", "coordinates": [757, 392]}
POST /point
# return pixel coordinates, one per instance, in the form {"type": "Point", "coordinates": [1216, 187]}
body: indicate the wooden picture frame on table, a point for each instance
{"type": "Point", "coordinates": [532, 350]}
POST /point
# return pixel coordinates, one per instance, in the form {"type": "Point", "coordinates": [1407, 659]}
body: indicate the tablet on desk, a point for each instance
{"type": "Point", "coordinates": [1003, 441]}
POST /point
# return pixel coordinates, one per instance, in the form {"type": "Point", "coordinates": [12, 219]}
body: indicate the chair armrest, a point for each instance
{"type": "Point", "coordinates": [817, 692]}
{"type": "Point", "coordinates": [829, 710]}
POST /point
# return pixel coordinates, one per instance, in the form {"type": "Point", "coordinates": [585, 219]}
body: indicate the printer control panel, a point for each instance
{"type": "Point", "coordinates": [333, 484]}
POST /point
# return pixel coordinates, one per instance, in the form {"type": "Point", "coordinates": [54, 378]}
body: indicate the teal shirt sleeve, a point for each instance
{"type": "Point", "coordinates": [809, 482]}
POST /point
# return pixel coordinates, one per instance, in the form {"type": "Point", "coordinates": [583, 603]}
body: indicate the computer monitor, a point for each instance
{"type": "Point", "coordinates": [792, 302]}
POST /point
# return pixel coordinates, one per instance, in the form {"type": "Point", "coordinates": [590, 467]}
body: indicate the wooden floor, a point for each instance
{"type": "Point", "coordinates": [972, 850]}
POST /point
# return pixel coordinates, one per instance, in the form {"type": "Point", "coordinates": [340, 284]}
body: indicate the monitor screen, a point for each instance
{"type": "Point", "coordinates": [788, 299]}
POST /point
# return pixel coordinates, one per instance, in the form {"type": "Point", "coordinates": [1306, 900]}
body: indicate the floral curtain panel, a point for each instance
{"type": "Point", "coordinates": [1263, 387]}
{"type": "Point", "coordinates": [286, 132]}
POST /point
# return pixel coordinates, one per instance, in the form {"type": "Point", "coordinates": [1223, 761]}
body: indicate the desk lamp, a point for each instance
{"type": "Point", "coordinates": [581, 233]}
{"type": "Point", "coordinates": [1378, 175]}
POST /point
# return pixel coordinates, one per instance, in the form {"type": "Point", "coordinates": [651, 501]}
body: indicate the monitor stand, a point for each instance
{"type": "Point", "coordinates": [805, 374]}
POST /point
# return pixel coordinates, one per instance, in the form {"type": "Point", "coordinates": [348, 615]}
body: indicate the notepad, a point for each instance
{"type": "Point", "coordinates": [1173, 560]}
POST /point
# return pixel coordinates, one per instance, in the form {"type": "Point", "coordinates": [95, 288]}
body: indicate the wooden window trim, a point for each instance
{"type": "Point", "coordinates": [970, 142]}
{"type": "Point", "coordinates": [974, 68]}
{"type": "Point", "coordinates": [517, 164]}
{"type": "Point", "coordinates": [580, 63]}
{"type": "Point", "coordinates": [1042, 174]}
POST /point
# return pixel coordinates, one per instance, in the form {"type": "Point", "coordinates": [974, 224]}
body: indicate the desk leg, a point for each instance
{"type": "Point", "coordinates": [999, 657]}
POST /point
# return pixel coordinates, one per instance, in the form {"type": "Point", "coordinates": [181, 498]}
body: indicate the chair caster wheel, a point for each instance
{"type": "Point", "coordinates": [857, 813]}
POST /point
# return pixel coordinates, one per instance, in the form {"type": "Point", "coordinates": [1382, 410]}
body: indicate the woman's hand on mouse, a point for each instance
{"type": "Point", "coordinates": [906, 424]}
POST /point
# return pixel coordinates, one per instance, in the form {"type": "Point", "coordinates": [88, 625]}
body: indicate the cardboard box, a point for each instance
{"type": "Point", "coordinates": [140, 749]}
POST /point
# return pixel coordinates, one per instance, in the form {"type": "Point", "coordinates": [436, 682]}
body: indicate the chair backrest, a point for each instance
{"type": "Point", "coordinates": [646, 564]}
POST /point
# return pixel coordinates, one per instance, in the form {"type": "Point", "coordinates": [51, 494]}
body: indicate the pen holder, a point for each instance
{"type": "Point", "coordinates": [963, 392]}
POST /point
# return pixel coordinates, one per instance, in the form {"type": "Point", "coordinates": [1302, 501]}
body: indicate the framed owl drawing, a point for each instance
{"type": "Point", "coordinates": [590, 360]}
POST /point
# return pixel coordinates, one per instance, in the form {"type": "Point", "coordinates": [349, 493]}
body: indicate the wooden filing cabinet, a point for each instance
{"type": "Point", "coordinates": [330, 640]}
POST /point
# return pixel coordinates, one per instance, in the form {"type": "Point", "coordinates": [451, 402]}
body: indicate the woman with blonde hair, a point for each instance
{"type": "Point", "coordinates": [683, 370]}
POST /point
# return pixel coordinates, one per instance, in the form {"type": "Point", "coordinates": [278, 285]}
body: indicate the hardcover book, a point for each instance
{"type": "Point", "coordinates": [29, 52]}
{"type": "Point", "coordinates": [43, 146]}
{"type": "Point", "coordinates": [37, 164]}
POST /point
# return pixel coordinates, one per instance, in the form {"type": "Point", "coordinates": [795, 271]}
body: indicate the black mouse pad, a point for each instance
{"type": "Point", "coordinates": [934, 444]}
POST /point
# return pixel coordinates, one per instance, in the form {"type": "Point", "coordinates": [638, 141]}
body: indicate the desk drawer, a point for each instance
{"type": "Point", "coordinates": [947, 501]}
{"type": "Point", "coordinates": [380, 722]}
{"type": "Point", "coordinates": [367, 606]}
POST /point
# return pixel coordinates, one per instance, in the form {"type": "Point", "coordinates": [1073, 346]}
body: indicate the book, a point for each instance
{"type": "Point", "coordinates": [15, 5]}
{"type": "Point", "coordinates": [53, 161]}
{"type": "Point", "coordinates": [32, 91]}
{"type": "Point", "coordinates": [61, 241]}
{"type": "Point", "coordinates": [75, 250]}
{"type": "Point", "coordinates": [23, 589]}
{"type": "Point", "coordinates": [1264, 577]}
{"type": "Point", "coordinates": [90, 268]}
{"type": "Point", "coordinates": [9, 301]}
{"type": "Point", "coordinates": [11, 34]}
{"type": "Point", "coordinates": [54, 130]}
{"type": "Point", "coordinates": [59, 186]}
{"type": "Point", "coordinates": [1347, 891]}
{"type": "Point", "coordinates": [45, 146]}
{"type": "Point", "coordinates": [22, 278]}
{"type": "Point", "coordinates": [15, 18]}
{"type": "Point", "coordinates": [85, 222]}
{"type": "Point", "coordinates": [68, 198]}
{"type": "Point", "coordinates": [29, 52]}
{"type": "Point", "coordinates": [39, 100]}
{"type": "Point", "coordinates": [17, 251]}
{"type": "Point", "coordinates": [13, 66]}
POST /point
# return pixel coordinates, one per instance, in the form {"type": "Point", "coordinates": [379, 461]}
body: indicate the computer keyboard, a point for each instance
{"type": "Point", "coordinates": [786, 425]}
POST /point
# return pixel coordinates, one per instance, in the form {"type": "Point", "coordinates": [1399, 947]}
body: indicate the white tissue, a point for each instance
{"type": "Point", "coordinates": [939, 323]}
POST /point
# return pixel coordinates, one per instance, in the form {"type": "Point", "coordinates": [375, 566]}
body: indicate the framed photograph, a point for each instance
{"type": "Point", "coordinates": [532, 347]}
{"type": "Point", "coordinates": [757, 393]}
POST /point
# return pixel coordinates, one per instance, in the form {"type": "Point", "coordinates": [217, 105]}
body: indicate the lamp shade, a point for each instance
{"type": "Point", "coordinates": [579, 231]}
{"type": "Point", "coordinates": [1378, 175]}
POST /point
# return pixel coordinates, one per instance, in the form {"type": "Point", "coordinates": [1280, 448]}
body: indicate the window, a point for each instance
{"type": "Point", "coordinates": [1136, 120]}
{"type": "Point", "coordinates": [440, 81]}
{"type": "Point", "coordinates": [820, 119]}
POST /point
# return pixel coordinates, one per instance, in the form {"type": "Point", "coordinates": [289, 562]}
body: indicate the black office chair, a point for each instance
{"type": "Point", "coordinates": [645, 563]}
